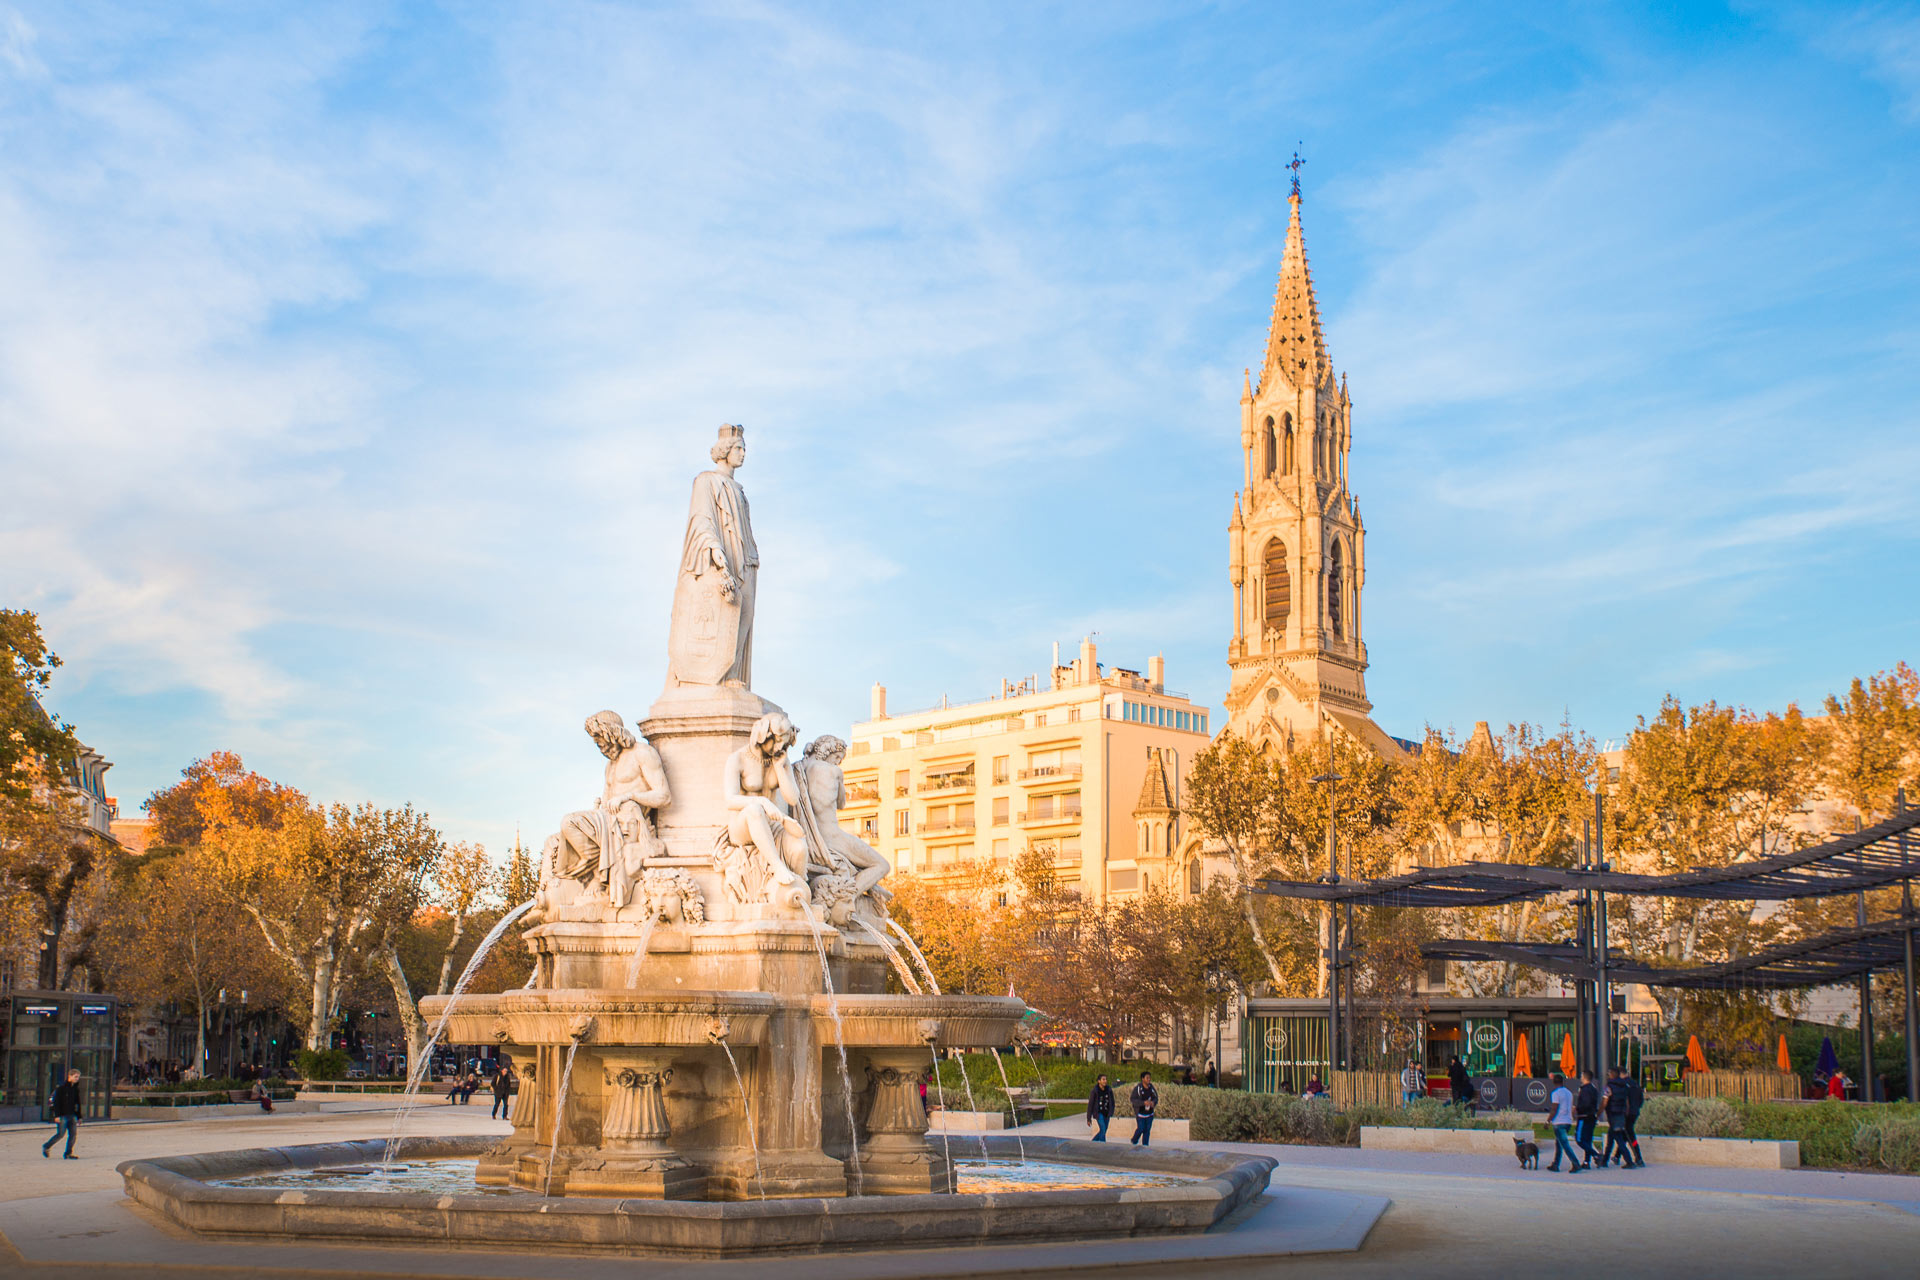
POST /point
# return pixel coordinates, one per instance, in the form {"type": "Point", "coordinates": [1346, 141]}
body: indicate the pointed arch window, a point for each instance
{"type": "Point", "coordinates": [1286, 457]}
{"type": "Point", "coordinates": [1336, 590]}
{"type": "Point", "coordinates": [1279, 601]}
{"type": "Point", "coordinates": [1271, 450]}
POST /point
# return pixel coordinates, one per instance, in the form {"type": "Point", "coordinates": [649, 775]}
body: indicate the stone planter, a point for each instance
{"type": "Point", "coordinates": [1725, 1153]}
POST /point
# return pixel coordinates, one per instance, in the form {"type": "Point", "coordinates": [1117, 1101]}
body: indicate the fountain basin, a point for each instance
{"type": "Point", "coordinates": [179, 1187]}
{"type": "Point", "coordinates": [621, 1017]}
{"type": "Point", "coordinates": [913, 1022]}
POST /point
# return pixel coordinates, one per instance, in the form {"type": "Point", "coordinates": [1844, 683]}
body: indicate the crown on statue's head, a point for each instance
{"type": "Point", "coordinates": [731, 432]}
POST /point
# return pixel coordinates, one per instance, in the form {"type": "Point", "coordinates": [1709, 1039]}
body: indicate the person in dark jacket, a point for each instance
{"type": "Point", "coordinates": [1100, 1107]}
{"type": "Point", "coordinates": [1615, 1104]}
{"type": "Point", "coordinates": [1586, 1114]}
{"type": "Point", "coordinates": [1213, 1074]}
{"type": "Point", "coordinates": [1146, 1100]}
{"type": "Point", "coordinates": [1459, 1083]}
{"type": "Point", "coordinates": [1636, 1094]}
{"type": "Point", "coordinates": [65, 1105]}
{"type": "Point", "coordinates": [502, 1093]}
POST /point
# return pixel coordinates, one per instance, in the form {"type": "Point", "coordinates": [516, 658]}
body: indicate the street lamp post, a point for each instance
{"type": "Point", "coordinates": [1334, 1057]}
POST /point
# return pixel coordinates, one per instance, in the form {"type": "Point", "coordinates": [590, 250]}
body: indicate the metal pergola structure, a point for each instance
{"type": "Point", "coordinates": [1819, 961]}
{"type": "Point", "coordinates": [1873, 857]}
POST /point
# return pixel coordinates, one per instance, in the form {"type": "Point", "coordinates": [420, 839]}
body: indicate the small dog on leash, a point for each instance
{"type": "Point", "coordinates": [1528, 1151]}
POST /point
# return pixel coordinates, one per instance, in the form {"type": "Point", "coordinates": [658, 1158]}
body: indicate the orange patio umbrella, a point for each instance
{"type": "Point", "coordinates": [1567, 1060]}
{"type": "Point", "coordinates": [1785, 1062]}
{"type": "Point", "coordinates": [1522, 1057]}
{"type": "Point", "coordinates": [1696, 1057]}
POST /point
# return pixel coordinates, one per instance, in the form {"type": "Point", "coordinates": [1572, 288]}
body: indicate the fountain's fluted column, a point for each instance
{"type": "Point", "coordinates": [523, 1112]}
{"type": "Point", "coordinates": [635, 1157]}
{"type": "Point", "coordinates": [895, 1156]}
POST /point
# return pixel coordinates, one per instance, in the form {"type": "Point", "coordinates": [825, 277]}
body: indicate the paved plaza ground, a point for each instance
{"type": "Point", "coordinates": [1447, 1216]}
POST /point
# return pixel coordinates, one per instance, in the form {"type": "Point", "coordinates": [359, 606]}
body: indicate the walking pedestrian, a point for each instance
{"type": "Point", "coordinates": [1560, 1116]}
{"type": "Point", "coordinates": [1615, 1104]}
{"type": "Point", "coordinates": [1636, 1094]}
{"type": "Point", "coordinates": [1213, 1074]}
{"type": "Point", "coordinates": [1586, 1114]}
{"type": "Point", "coordinates": [503, 1082]}
{"type": "Point", "coordinates": [1146, 1100]}
{"type": "Point", "coordinates": [65, 1105]}
{"type": "Point", "coordinates": [1100, 1107]}
{"type": "Point", "coordinates": [1413, 1082]}
{"type": "Point", "coordinates": [1459, 1083]}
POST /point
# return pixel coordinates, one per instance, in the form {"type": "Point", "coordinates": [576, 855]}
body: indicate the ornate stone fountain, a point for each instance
{"type": "Point", "coordinates": [710, 1064]}
{"type": "Point", "coordinates": [714, 1068]}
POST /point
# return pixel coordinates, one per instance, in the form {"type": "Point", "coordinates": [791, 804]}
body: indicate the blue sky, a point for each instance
{"type": "Point", "coordinates": [354, 361]}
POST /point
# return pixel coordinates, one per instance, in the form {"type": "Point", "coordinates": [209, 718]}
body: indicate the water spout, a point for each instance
{"type": "Point", "coordinates": [559, 1116]}
{"type": "Point", "coordinates": [932, 983]}
{"type": "Point", "coordinates": [973, 1106]}
{"type": "Point", "coordinates": [840, 1042]}
{"type": "Point", "coordinates": [418, 1069]}
{"type": "Point", "coordinates": [1007, 1089]}
{"type": "Point", "coordinates": [640, 949]}
{"type": "Point", "coordinates": [746, 1106]}
{"type": "Point", "coordinates": [946, 1137]}
{"type": "Point", "coordinates": [893, 955]}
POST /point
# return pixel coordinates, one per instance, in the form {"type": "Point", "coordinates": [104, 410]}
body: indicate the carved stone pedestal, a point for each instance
{"type": "Point", "coordinates": [498, 1162]}
{"type": "Point", "coordinates": [895, 1157]}
{"type": "Point", "coordinates": [634, 1158]}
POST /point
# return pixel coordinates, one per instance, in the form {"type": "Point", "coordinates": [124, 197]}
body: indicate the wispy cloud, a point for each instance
{"type": "Point", "coordinates": [354, 363]}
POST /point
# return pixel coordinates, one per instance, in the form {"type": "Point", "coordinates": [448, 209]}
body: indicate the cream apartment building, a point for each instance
{"type": "Point", "coordinates": [1086, 765]}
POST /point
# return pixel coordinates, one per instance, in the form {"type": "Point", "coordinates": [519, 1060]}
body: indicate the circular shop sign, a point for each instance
{"type": "Point", "coordinates": [1487, 1036]}
{"type": "Point", "coordinates": [1276, 1038]}
{"type": "Point", "coordinates": [1536, 1093]}
{"type": "Point", "coordinates": [1489, 1091]}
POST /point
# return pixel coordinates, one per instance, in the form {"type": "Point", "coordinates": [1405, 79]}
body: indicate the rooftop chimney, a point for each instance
{"type": "Point", "coordinates": [1157, 672]}
{"type": "Point", "coordinates": [878, 707]}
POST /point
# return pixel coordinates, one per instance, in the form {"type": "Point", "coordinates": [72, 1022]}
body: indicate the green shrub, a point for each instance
{"type": "Point", "coordinates": [1889, 1141]}
{"type": "Point", "coordinates": [1685, 1117]}
{"type": "Point", "coordinates": [322, 1064]}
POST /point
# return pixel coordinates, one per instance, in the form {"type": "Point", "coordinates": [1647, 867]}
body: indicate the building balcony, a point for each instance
{"type": "Point", "coordinates": [944, 829]}
{"type": "Point", "coordinates": [946, 782]}
{"type": "Point", "coordinates": [1051, 818]}
{"type": "Point", "coordinates": [1049, 773]}
{"type": "Point", "coordinates": [866, 794]}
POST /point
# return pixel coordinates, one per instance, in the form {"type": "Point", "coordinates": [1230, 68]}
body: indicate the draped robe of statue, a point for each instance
{"type": "Point", "coordinates": [711, 639]}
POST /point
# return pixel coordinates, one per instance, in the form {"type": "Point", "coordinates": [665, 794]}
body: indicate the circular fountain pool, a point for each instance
{"type": "Point", "coordinates": [1065, 1190]}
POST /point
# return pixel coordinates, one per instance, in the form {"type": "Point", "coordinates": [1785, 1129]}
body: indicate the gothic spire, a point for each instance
{"type": "Point", "coordinates": [1296, 348]}
{"type": "Point", "coordinates": [1155, 795]}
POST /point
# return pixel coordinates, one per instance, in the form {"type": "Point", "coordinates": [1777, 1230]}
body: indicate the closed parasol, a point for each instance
{"type": "Point", "coordinates": [1522, 1058]}
{"type": "Point", "coordinates": [1567, 1059]}
{"type": "Point", "coordinates": [1784, 1060]}
{"type": "Point", "coordinates": [1696, 1056]}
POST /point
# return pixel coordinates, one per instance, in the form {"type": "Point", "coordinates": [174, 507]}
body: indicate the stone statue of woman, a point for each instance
{"type": "Point", "coordinates": [710, 641]}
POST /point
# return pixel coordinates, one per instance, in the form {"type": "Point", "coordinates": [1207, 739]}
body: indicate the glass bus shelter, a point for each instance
{"type": "Point", "coordinates": [47, 1033]}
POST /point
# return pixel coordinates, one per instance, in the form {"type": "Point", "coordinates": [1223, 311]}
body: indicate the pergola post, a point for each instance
{"type": "Point", "coordinates": [1866, 1013]}
{"type": "Point", "coordinates": [1913, 996]}
{"type": "Point", "coordinates": [1602, 989]}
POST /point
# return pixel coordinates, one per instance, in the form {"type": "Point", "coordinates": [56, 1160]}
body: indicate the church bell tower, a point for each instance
{"type": "Point", "coordinates": [1297, 545]}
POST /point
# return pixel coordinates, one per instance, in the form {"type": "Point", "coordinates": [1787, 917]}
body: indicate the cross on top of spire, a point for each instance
{"type": "Point", "coordinates": [1294, 165]}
